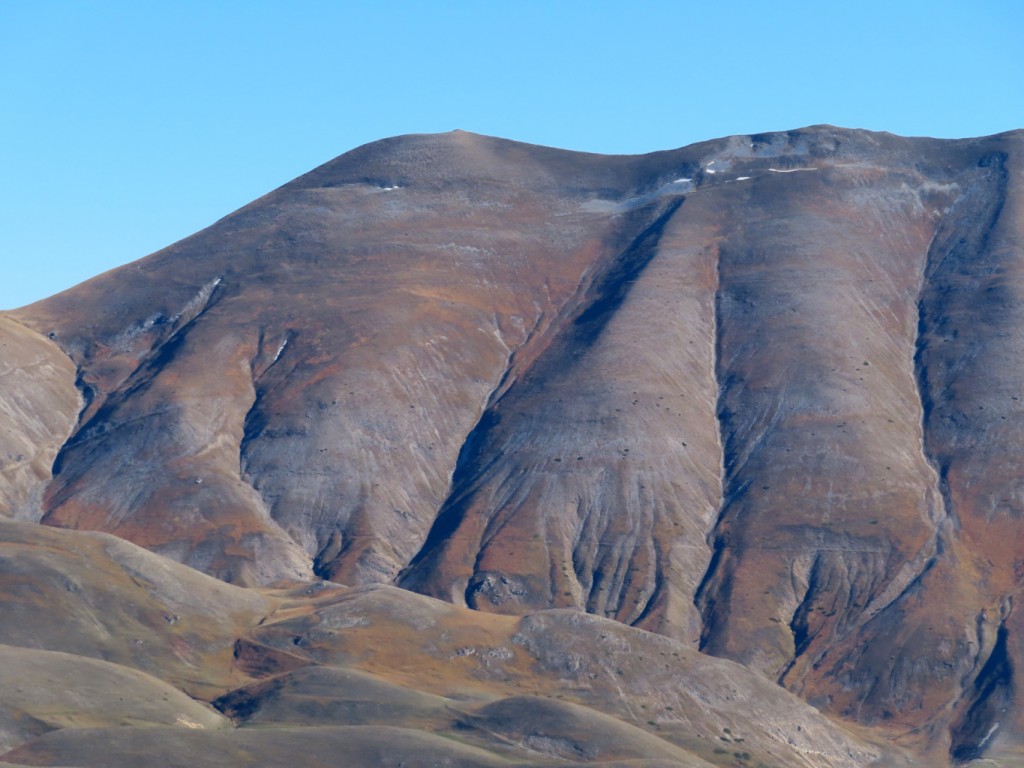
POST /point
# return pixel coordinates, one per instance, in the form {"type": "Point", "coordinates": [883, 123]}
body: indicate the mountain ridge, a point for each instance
{"type": "Point", "coordinates": [756, 394]}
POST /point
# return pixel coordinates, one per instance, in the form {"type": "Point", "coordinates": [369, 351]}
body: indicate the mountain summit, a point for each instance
{"type": "Point", "coordinates": [762, 396]}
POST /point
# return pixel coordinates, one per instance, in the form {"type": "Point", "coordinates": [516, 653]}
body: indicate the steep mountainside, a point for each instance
{"type": "Point", "coordinates": [763, 396]}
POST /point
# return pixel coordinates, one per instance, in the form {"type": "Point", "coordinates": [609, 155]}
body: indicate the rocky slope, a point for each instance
{"type": "Point", "coordinates": [760, 396]}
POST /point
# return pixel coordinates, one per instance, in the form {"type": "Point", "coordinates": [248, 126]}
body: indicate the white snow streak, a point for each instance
{"type": "Point", "coordinates": [280, 349]}
{"type": "Point", "coordinates": [988, 735]}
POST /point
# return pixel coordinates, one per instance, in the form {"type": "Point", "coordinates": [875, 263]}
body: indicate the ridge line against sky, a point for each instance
{"type": "Point", "coordinates": [128, 126]}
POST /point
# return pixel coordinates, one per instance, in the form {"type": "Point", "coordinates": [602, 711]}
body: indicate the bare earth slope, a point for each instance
{"type": "Point", "coordinates": [761, 395]}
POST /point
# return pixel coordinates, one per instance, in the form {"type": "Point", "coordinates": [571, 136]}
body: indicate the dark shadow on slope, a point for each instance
{"type": "Point", "coordinates": [990, 695]}
{"type": "Point", "coordinates": [598, 305]}
{"type": "Point", "coordinates": [454, 509]}
{"type": "Point", "coordinates": [101, 422]}
{"type": "Point", "coordinates": [614, 286]}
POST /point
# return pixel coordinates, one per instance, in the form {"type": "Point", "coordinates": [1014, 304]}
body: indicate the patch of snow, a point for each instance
{"type": "Point", "coordinates": [932, 186]}
{"type": "Point", "coordinates": [280, 349]}
{"type": "Point", "coordinates": [388, 189]}
{"type": "Point", "coordinates": [709, 170]}
{"type": "Point", "coordinates": [198, 301]}
{"type": "Point", "coordinates": [742, 178]}
{"type": "Point", "coordinates": [790, 170]}
{"type": "Point", "coordinates": [682, 181]}
{"type": "Point", "coordinates": [988, 735]}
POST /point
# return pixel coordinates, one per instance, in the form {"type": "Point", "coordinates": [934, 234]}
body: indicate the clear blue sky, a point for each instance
{"type": "Point", "coordinates": [125, 126]}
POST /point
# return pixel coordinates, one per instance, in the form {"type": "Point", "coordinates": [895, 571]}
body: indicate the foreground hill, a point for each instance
{"type": "Point", "coordinates": [760, 395]}
{"type": "Point", "coordinates": [102, 641]}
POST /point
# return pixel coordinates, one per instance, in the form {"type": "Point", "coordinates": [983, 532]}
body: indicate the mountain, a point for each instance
{"type": "Point", "coordinates": [561, 456]}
